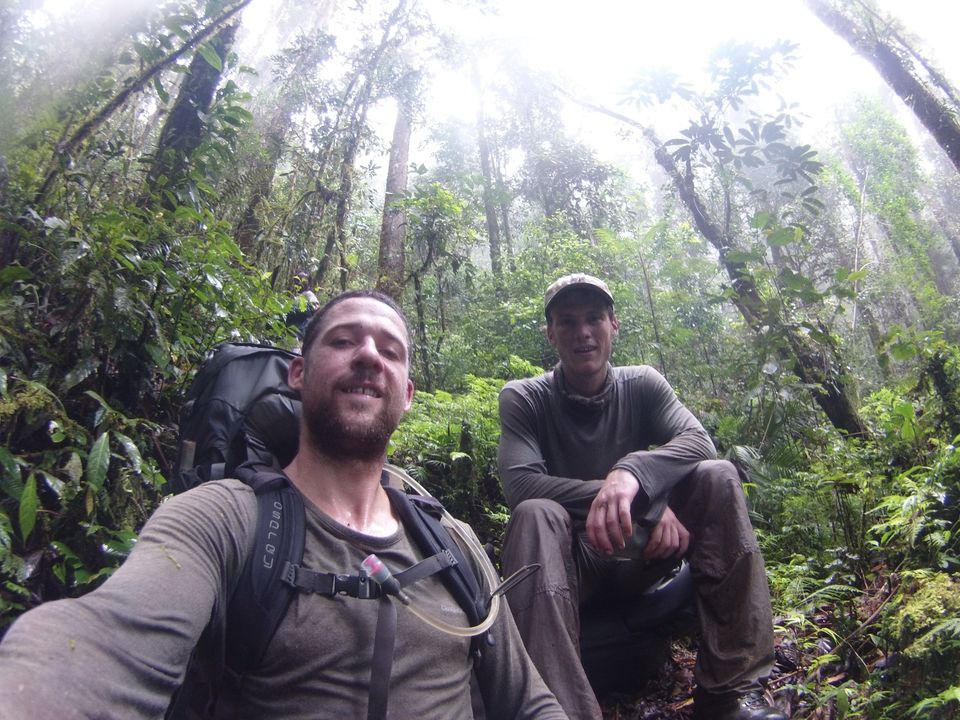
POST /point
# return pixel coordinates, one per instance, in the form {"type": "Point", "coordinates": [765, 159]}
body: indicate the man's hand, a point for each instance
{"type": "Point", "coordinates": [609, 521]}
{"type": "Point", "coordinates": [668, 539]}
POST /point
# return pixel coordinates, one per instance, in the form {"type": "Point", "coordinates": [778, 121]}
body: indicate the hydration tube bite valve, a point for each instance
{"type": "Point", "coordinates": [375, 568]}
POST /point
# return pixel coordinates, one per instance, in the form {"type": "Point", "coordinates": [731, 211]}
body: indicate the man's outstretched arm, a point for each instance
{"type": "Point", "coordinates": [121, 651]}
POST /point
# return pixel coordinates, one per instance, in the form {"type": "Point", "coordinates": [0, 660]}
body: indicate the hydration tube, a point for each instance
{"type": "Point", "coordinates": [480, 560]}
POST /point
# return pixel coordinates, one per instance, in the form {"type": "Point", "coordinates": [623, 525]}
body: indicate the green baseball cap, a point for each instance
{"type": "Point", "coordinates": [570, 282]}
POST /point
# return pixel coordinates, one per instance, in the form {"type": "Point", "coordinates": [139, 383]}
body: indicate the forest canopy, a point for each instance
{"type": "Point", "coordinates": [174, 175]}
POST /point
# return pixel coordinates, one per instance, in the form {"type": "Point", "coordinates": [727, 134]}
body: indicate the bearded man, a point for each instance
{"type": "Point", "coordinates": [123, 650]}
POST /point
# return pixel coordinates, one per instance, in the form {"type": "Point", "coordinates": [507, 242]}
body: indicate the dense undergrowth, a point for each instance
{"type": "Point", "coordinates": [860, 535]}
{"type": "Point", "coordinates": [115, 281]}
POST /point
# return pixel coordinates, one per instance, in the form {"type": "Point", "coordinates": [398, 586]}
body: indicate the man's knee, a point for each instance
{"type": "Point", "coordinates": [539, 531]}
{"type": "Point", "coordinates": [542, 513]}
{"type": "Point", "coordinates": [717, 479]}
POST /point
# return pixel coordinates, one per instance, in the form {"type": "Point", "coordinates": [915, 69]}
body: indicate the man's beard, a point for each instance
{"type": "Point", "coordinates": [337, 437]}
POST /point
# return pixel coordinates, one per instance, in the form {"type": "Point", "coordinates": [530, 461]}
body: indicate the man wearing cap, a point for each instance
{"type": "Point", "coordinates": [611, 479]}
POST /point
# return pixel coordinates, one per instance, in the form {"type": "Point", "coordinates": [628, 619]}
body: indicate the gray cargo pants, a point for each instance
{"type": "Point", "coordinates": [733, 599]}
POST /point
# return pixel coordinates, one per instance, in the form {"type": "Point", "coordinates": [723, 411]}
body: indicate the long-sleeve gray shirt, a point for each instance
{"type": "Point", "coordinates": [559, 446]}
{"type": "Point", "coordinates": [121, 651]}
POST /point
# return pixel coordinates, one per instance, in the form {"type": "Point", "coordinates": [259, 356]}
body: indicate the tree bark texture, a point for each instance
{"type": "Point", "coordinates": [185, 126]}
{"type": "Point", "coordinates": [393, 229]}
{"type": "Point", "coordinates": [891, 56]}
{"type": "Point", "coordinates": [69, 147]}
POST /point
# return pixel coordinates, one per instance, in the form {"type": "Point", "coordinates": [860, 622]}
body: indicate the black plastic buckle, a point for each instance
{"type": "Point", "coordinates": [358, 586]}
{"type": "Point", "coordinates": [288, 574]}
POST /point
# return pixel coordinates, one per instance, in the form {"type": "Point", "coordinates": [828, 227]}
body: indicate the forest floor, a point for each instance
{"type": "Point", "coordinates": [803, 659]}
{"type": "Point", "coordinates": [670, 695]}
{"type": "Point", "coordinates": [667, 697]}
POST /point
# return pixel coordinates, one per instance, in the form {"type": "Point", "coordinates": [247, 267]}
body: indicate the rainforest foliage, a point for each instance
{"type": "Point", "coordinates": [178, 184]}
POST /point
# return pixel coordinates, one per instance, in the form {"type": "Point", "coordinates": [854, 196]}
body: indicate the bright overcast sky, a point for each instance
{"type": "Point", "coordinates": [603, 41]}
{"type": "Point", "coordinates": [595, 48]}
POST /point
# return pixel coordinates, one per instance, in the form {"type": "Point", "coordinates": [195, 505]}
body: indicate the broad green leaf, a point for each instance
{"type": "Point", "coordinates": [187, 213]}
{"type": "Point", "coordinates": [73, 467]}
{"type": "Point", "coordinates": [66, 553]}
{"type": "Point", "coordinates": [728, 134]}
{"type": "Point", "coordinates": [161, 92]}
{"type": "Point", "coordinates": [904, 410]}
{"type": "Point", "coordinates": [907, 431]}
{"type": "Point", "coordinates": [11, 481]}
{"type": "Point", "coordinates": [132, 451]}
{"type": "Point", "coordinates": [98, 461]}
{"type": "Point", "coordinates": [98, 398]}
{"type": "Point", "coordinates": [241, 113]}
{"type": "Point", "coordinates": [795, 281]}
{"type": "Point", "coordinates": [14, 273]}
{"type": "Point", "coordinates": [54, 223]}
{"type": "Point", "coordinates": [210, 55]}
{"type": "Point", "coordinates": [80, 372]}
{"type": "Point", "coordinates": [120, 543]}
{"type": "Point", "coordinates": [784, 236]}
{"type": "Point", "coordinates": [742, 256]}
{"type": "Point", "coordinates": [54, 483]}
{"type": "Point", "coordinates": [761, 220]}
{"type": "Point", "coordinates": [903, 350]}
{"type": "Point", "coordinates": [29, 503]}
{"type": "Point", "coordinates": [158, 354]}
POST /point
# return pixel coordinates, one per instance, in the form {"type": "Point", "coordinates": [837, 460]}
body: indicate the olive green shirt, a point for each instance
{"type": "Point", "coordinates": [560, 446]}
{"type": "Point", "coordinates": [122, 650]}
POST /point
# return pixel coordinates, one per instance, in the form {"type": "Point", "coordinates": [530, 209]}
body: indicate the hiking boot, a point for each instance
{"type": "Point", "coordinates": [748, 706]}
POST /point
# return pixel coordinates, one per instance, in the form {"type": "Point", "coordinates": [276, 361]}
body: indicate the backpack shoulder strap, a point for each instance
{"type": "Point", "coordinates": [258, 604]}
{"type": "Point", "coordinates": [261, 598]}
{"type": "Point", "coordinates": [421, 518]}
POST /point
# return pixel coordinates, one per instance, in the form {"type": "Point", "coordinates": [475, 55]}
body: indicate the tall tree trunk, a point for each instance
{"type": "Point", "coordinates": [422, 344]}
{"type": "Point", "coordinates": [817, 365]}
{"type": "Point", "coordinates": [185, 126]}
{"type": "Point", "coordinates": [249, 226]}
{"type": "Point", "coordinates": [858, 239]}
{"type": "Point", "coordinates": [309, 51]}
{"type": "Point", "coordinates": [489, 206]}
{"type": "Point", "coordinates": [354, 108]}
{"type": "Point", "coordinates": [69, 147]}
{"type": "Point", "coordinates": [504, 203]}
{"type": "Point", "coordinates": [939, 112]}
{"type": "Point", "coordinates": [337, 236]}
{"type": "Point", "coordinates": [653, 313]}
{"type": "Point", "coordinates": [393, 229]}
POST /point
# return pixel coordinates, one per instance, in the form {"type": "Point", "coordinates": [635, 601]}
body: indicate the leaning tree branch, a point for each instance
{"type": "Point", "coordinates": [69, 147]}
{"type": "Point", "coordinates": [815, 364]}
{"type": "Point", "coordinates": [940, 119]}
